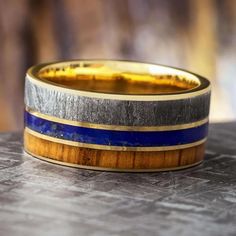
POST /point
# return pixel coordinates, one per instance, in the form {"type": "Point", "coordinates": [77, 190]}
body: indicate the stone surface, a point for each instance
{"type": "Point", "coordinates": [38, 198]}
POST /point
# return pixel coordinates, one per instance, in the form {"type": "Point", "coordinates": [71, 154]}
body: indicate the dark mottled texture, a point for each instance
{"type": "Point", "coordinates": [38, 198]}
{"type": "Point", "coordinates": [115, 112]}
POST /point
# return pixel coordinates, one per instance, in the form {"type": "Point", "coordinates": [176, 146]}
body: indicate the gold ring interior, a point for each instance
{"type": "Point", "coordinates": [118, 77]}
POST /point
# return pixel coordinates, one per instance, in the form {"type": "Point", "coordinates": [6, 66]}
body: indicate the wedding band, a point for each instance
{"type": "Point", "coordinates": [116, 115]}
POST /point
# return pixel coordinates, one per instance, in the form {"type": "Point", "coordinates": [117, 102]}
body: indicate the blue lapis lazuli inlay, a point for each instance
{"type": "Point", "coordinates": [114, 137]}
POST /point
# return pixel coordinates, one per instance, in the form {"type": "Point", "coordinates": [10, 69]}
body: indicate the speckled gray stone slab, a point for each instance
{"type": "Point", "coordinates": [39, 198]}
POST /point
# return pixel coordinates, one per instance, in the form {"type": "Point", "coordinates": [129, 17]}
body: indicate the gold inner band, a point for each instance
{"type": "Point", "coordinates": [117, 77]}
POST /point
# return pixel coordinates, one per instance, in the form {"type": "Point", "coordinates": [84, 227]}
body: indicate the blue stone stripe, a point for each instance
{"type": "Point", "coordinates": [114, 137]}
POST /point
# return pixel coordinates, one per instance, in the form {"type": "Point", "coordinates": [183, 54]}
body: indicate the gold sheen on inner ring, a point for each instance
{"type": "Point", "coordinates": [117, 127]}
{"type": "Point", "coordinates": [119, 80]}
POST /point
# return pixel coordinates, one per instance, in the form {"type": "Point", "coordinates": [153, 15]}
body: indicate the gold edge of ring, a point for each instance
{"type": "Point", "coordinates": [111, 148]}
{"type": "Point", "coordinates": [104, 168]}
{"type": "Point", "coordinates": [117, 127]}
{"type": "Point", "coordinates": [118, 96]}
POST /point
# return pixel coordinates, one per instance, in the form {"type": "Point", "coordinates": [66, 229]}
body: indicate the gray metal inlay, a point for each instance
{"type": "Point", "coordinates": [115, 112]}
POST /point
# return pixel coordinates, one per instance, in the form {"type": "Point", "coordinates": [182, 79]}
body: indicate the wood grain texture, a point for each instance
{"type": "Point", "coordinates": [112, 160]}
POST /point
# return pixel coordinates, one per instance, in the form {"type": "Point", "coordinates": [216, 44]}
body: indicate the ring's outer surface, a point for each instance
{"type": "Point", "coordinates": [116, 115]}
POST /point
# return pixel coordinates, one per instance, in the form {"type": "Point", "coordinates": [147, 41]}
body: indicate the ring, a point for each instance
{"type": "Point", "coordinates": [116, 115]}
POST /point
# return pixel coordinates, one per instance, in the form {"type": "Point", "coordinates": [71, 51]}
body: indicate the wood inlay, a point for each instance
{"type": "Point", "coordinates": [112, 160]}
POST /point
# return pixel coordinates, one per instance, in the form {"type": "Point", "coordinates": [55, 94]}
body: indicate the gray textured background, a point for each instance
{"type": "Point", "coordinates": [38, 198]}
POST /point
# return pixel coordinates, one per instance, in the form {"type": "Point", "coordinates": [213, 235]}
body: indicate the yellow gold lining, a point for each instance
{"type": "Point", "coordinates": [113, 148]}
{"type": "Point", "coordinates": [57, 75]}
{"type": "Point", "coordinates": [118, 77]}
{"type": "Point", "coordinates": [169, 97]}
{"type": "Point", "coordinates": [28, 153]}
{"type": "Point", "coordinates": [116, 127]}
